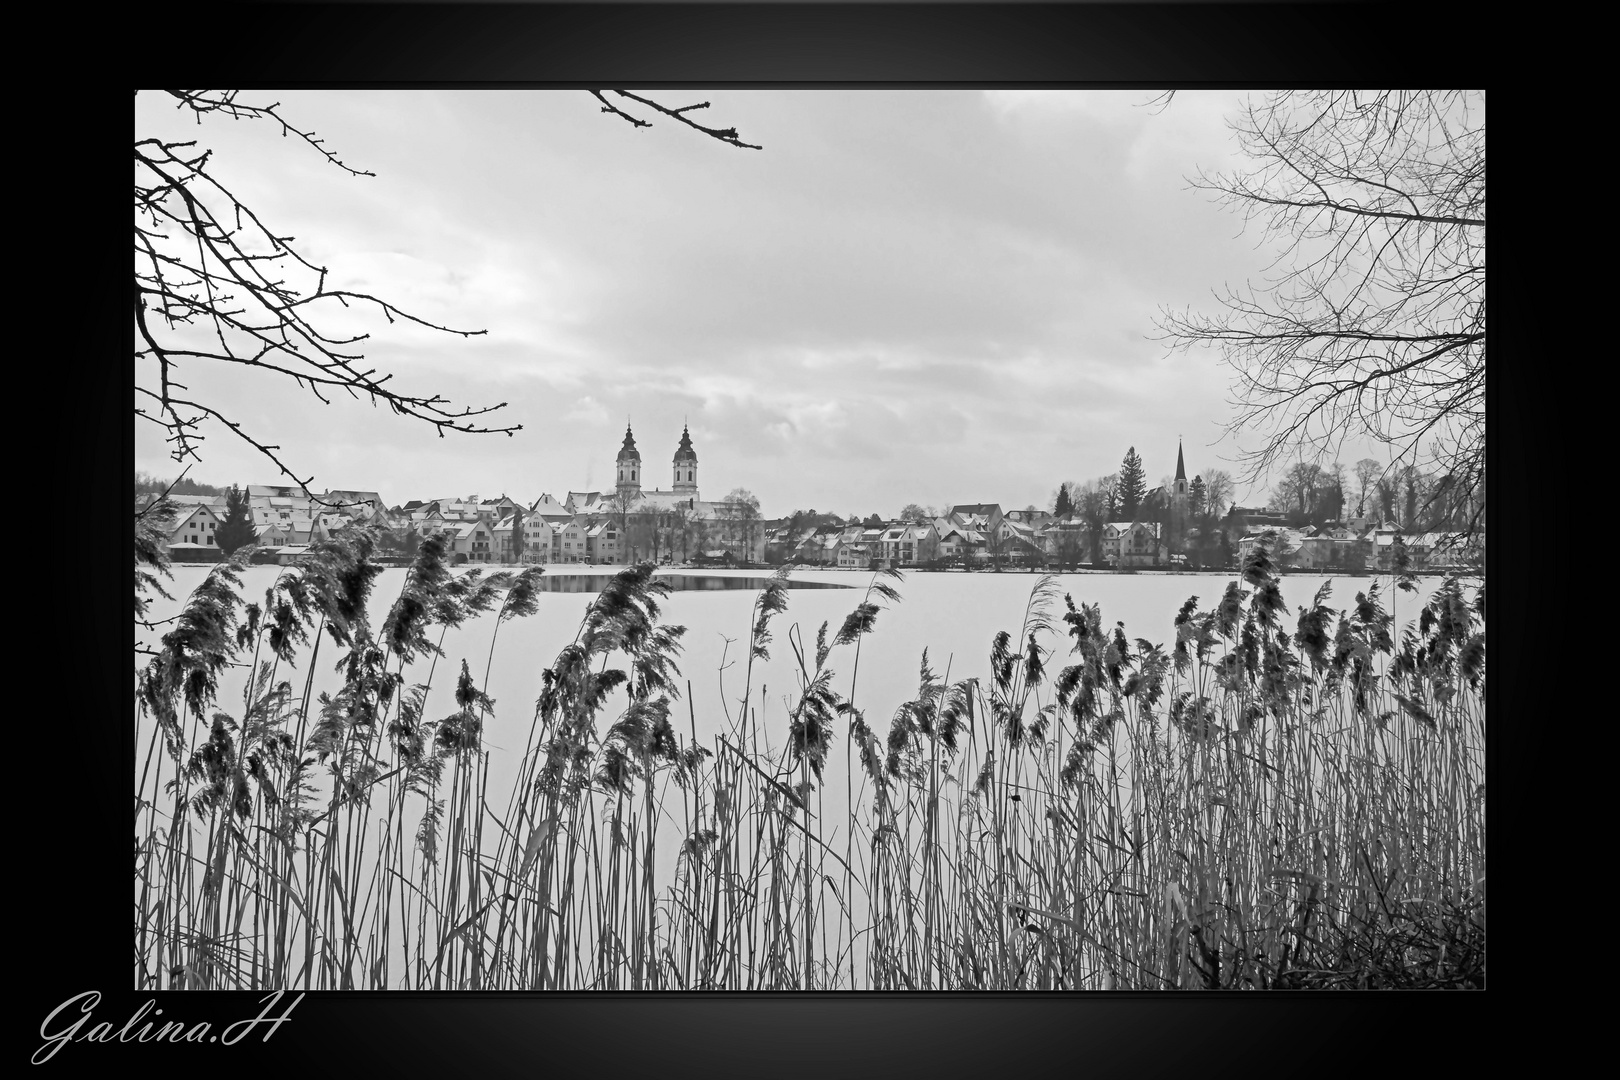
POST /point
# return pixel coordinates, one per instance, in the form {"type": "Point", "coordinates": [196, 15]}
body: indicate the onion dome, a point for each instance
{"type": "Point", "coordinates": [628, 451]}
{"type": "Point", "coordinates": [684, 452]}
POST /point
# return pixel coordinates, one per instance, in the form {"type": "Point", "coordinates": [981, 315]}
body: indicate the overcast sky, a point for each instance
{"type": "Point", "coordinates": [931, 296]}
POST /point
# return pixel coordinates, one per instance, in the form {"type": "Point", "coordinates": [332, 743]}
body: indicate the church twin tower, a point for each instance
{"type": "Point", "coordinates": [685, 463]}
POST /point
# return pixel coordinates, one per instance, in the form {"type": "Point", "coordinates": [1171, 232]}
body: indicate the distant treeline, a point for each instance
{"type": "Point", "coordinates": [146, 483]}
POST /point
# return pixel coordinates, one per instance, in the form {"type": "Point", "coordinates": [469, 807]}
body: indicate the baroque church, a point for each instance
{"type": "Point", "coordinates": [683, 491]}
{"type": "Point", "coordinates": [628, 494]}
{"type": "Point", "coordinates": [662, 519]}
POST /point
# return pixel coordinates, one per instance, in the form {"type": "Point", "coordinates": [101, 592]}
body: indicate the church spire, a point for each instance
{"type": "Point", "coordinates": [629, 466]}
{"type": "Point", "coordinates": [1181, 469]}
{"type": "Point", "coordinates": [686, 465]}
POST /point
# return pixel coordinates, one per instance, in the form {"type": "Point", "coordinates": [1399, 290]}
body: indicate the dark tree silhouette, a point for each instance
{"type": "Point", "coordinates": [1063, 501]}
{"type": "Point", "coordinates": [518, 537]}
{"type": "Point", "coordinates": [236, 530]}
{"type": "Point", "coordinates": [1132, 484]}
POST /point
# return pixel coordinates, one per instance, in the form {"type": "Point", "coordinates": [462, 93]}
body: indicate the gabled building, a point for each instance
{"type": "Point", "coordinates": [986, 517]}
{"type": "Point", "coordinates": [473, 539]}
{"type": "Point", "coordinates": [1131, 543]}
{"type": "Point", "coordinates": [908, 544]}
{"type": "Point", "coordinates": [196, 527]}
{"type": "Point", "coordinates": [854, 555]}
{"type": "Point", "coordinates": [183, 503]}
{"type": "Point", "coordinates": [364, 507]}
{"type": "Point", "coordinates": [271, 536]}
{"type": "Point", "coordinates": [1066, 540]}
{"type": "Point", "coordinates": [957, 541]}
{"type": "Point", "coordinates": [1284, 540]}
{"type": "Point", "coordinates": [569, 544]}
{"type": "Point", "coordinates": [586, 502]}
{"type": "Point", "coordinates": [536, 540]}
{"type": "Point", "coordinates": [1035, 519]}
{"type": "Point", "coordinates": [549, 510]}
{"type": "Point", "coordinates": [602, 542]}
{"type": "Point", "coordinates": [1018, 544]}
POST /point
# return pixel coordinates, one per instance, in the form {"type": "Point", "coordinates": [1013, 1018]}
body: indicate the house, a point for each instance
{"type": "Point", "coordinates": [585, 502]}
{"type": "Point", "coordinates": [273, 535]}
{"type": "Point", "coordinates": [183, 503]}
{"type": "Point", "coordinates": [780, 543]}
{"type": "Point", "coordinates": [1318, 552]}
{"type": "Point", "coordinates": [854, 556]}
{"type": "Point", "coordinates": [982, 518]}
{"type": "Point", "coordinates": [362, 506]}
{"type": "Point", "coordinates": [266, 492]}
{"type": "Point", "coordinates": [1017, 543]}
{"type": "Point", "coordinates": [568, 543]}
{"type": "Point", "coordinates": [830, 540]}
{"type": "Point", "coordinates": [193, 553]}
{"type": "Point", "coordinates": [1066, 540]}
{"type": "Point", "coordinates": [809, 547]}
{"type": "Point", "coordinates": [1427, 551]}
{"type": "Point", "coordinates": [1131, 543]}
{"type": "Point", "coordinates": [1035, 519]}
{"type": "Point", "coordinates": [549, 510]}
{"type": "Point", "coordinates": [1243, 517]}
{"type": "Point", "coordinates": [602, 542]}
{"type": "Point", "coordinates": [1285, 543]}
{"type": "Point", "coordinates": [958, 541]}
{"type": "Point", "coordinates": [852, 550]}
{"type": "Point", "coordinates": [536, 540]}
{"type": "Point", "coordinates": [495, 509]}
{"type": "Point", "coordinates": [472, 539]}
{"type": "Point", "coordinates": [908, 544]}
{"type": "Point", "coordinates": [196, 527]}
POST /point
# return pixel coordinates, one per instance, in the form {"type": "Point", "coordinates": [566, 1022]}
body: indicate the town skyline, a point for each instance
{"type": "Point", "coordinates": [656, 474]}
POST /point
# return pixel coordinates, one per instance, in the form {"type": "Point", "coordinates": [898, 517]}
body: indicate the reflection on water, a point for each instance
{"type": "Point", "coordinates": [594, 583]}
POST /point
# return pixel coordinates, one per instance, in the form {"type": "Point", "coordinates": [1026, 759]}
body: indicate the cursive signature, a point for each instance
{"type": "Point", "coordinates": [154, 1029]}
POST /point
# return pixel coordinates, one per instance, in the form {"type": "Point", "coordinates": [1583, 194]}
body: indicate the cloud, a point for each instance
{"type": "Point", "coordinates": [907, 296]}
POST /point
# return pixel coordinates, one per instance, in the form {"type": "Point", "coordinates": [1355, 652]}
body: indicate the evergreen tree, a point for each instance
{"type": "Point", "coordinates": [1132, 484]}
{"type": "Point", "coordinates": [1197, 497]}
{"type": "Point", "coordinates": [237, 528]}
{"type": "Point", "coordinates": [518, 538]}
{"type": "Point", "coordinates": [1063, 503]}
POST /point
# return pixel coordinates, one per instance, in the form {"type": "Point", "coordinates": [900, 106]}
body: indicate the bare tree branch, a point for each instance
{"type": "Point", "coordinates": [1371, 321]}
{"type": "Point", "coordinates": [209, 270]}
{"type": "Point", "coordinates": [725, 135]}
